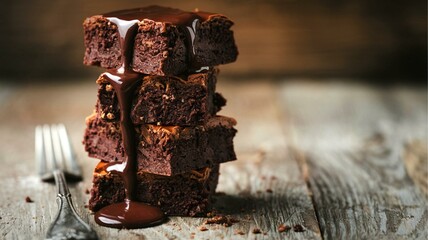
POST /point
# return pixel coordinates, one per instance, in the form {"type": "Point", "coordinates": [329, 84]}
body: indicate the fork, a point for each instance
{"type": "Point", "coordinates": [55, 161]}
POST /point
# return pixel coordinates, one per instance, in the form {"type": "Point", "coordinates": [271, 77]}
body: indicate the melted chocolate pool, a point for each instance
{"type": "Point", "coordinates": [129, 214]}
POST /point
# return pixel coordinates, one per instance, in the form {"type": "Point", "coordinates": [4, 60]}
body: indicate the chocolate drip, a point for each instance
{"type": "Point", "coordinates": [130, 213]}
{"type": "Point", "coordinates": [190, 31]}
{"type": "Point", "coordinates": [124, 85]}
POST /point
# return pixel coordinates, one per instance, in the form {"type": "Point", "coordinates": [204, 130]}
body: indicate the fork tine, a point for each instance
{"type": "Point", "coordinates": [69, 157]}
{"type": "Point", "coordinates": [40, 158]}
{"type": "Point", "coordinates": [49, 154]}
{"type": "Point", "coordinates": [58, 159]}
{"type": "Point", "coordinates": [53, 151]}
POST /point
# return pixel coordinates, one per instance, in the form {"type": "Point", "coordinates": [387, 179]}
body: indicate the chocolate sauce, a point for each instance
{"type": "Point", "coordinates": [131, 213]}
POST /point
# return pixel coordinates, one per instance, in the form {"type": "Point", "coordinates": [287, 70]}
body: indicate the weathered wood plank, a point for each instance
{"type": "Point", "coordinates": [351, 139]}
{"type": "Point", "coordinates": [264, 163]}
{"type": "Point", "coordinates": [416, 160]}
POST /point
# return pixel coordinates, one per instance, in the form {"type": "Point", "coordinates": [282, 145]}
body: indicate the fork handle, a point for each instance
{"type": "Point", "coordinates": [61, 184]}
{"type": "Point", "coordinates": [67, 224]}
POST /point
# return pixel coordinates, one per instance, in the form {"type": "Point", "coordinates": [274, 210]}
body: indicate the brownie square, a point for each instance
{"type": "Point", "coordinates": [167, 41]}
{"type": "Point", "coordinates": [187, 194]}
{"type": "Point", "coordinates": [164, 150]}
{"type": "Point", "coordinates": [184, 101]}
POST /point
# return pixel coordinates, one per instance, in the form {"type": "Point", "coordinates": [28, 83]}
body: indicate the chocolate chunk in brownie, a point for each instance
{"type": "Point", "coordinates": [164, 150]}
{"type": "Point", "coordinates": [186, 194]}
{"type": "Point", "coordinates": [163, 100]}
{"type": "Point", "coordinates": [167, 41]}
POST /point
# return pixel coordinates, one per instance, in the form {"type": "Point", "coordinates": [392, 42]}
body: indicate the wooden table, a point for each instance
{"type": "Point", "coordinates": [344, 160]}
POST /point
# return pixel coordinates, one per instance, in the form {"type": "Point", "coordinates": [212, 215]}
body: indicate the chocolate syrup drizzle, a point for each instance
{"type": "Point", "coordinates": [131, 213]}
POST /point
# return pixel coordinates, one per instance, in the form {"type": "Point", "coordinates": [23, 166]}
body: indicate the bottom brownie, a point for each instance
{"type": "Point", "coordinates": [187, 194]}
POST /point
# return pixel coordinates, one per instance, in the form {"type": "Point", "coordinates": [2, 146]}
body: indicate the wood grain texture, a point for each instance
{"type": "Point", "coordinates": [416, 160]}
{"type": "Point", "coordinates": [263, 189]}
{"type": "Point", "coordinates": [351, 140]}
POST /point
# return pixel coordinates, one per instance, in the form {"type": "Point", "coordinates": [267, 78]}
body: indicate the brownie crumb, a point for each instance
{"type": "Point", "coordinates": [269, 190]}
{"type": "Point", "coordinates": [86, 206]}
{"type": "Point", "coordinates": [298, 228]}
{"type": "Point", "coordinates": [257, 231]}
{"type": "Point", "coordinates": [87, 191]}
{"type": "Point", "coordinates": [28, 199]}
{"type": "Point", "coordinates": [273, 178]}
{"type": "Point", "coordinates": [283, 228]}
{"type": "Point", "coordinates": [226, 221]}
{"type": "Point", "coordinates": [212, 213]}
{"type": "Point", "coordinates": [203, 228]}
{"type": "Point", "coordinates": [239, 232]}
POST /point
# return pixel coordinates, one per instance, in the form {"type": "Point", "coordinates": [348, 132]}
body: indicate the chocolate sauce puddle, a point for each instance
{"type": "Point", "coordinates": [131, 213]}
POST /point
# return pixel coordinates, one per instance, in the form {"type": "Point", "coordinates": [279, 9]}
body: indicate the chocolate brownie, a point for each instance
{"type": "Point", "coordinates": [167, 41]}
{"type": "Point", "coordinates": [162, 100]}
{"type": "Point", "coordinates": [186, 194]}
{"type": "Point", "coordinates": [164, 150]}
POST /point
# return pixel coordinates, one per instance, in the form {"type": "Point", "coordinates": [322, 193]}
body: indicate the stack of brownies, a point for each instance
{"type": "Point", "coordinates": [178, 139]}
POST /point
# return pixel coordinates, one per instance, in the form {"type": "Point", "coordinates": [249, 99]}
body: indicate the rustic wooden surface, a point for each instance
{"type": "Point", "coordinates": [353, 146]}
{"type": "Point", "coordinates": [346, 161]}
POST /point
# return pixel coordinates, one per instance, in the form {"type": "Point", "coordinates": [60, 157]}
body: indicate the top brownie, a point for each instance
{"type": "Point", "coordinates": [167, 41]}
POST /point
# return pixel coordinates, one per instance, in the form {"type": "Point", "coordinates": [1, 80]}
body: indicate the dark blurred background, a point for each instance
{"type": "Point", "coordinates": [359, 39]}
